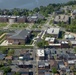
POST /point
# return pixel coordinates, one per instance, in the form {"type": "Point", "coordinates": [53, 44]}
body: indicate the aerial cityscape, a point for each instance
{"type": "Point", "coordinates": [38, 37]}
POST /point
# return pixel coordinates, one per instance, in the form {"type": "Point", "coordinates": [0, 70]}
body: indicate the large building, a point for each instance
{"type": "Point", "coordinates": [18, 37]}
{"type": "Point", "coordinates": [21, 19]}
{"type": "Point", "coordinates": [3, 18]}
{"type": "Point", "coordinates": [13, 19]}
{"type": "Point", "coordinates": [62, 18]}
{"type": "Point", "coordinates": [54, 32]}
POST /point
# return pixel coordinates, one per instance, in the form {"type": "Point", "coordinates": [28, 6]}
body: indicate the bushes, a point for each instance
{"type": "Point", "coordinates": [6, 69]}
{"type": "Point", "coordinates": [42, 43]}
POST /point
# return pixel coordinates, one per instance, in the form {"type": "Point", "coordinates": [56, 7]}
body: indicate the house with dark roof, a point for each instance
{"type": "Point", "coordinates": [18, 37]}
{"type": "Point", "coordinates": [73, 14]}
{"type": "Point", "coordinates": [11, 73]}
{"type": "Point", "coordinates": [25, 64]}
{"type": "Point", "coordinates": [2, 56]}
{"type": "Point", "coordinates": [34, 18]}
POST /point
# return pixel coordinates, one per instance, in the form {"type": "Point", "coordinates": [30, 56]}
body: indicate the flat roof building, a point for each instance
{"type": "Point", "coordinates": [41, 54]}
{"type": "Point", "coordinates": [54, 32]}
{"type": "Point", "coordinates": [62, 18]}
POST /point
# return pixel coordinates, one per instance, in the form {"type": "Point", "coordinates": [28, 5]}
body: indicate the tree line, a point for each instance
{"type": "Point", "coordinates": [45, 10]}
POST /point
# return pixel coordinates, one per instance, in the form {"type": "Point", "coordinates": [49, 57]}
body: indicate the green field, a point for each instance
{"type": "Point", "coordinates": [3, 25]}
{"type": "Point", "coordinates": [19, 26]}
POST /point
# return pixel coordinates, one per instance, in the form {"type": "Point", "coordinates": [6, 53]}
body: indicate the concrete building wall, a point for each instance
{"type": "Point", "coordinates": [16, 41]}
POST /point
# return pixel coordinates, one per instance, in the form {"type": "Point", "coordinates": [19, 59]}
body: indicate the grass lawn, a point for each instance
{"type": "Point", "coordinates": [38, 26]}
{"type": "Point", "coordinates": [17, 47]}
{"type": "Point", "coordinates": [3, 25]}
{"type": "Point", "coordinates": [1, 32]}
{"type": "Point", "coordinates": [74, 7]}
{"type": "Point", "coordinates": [19, 26]}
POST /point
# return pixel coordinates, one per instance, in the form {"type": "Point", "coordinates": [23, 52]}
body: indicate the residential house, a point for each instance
{"type": "Point", "coordinates": [64, 44]}
{"type": "Point", "coordinates": [11, 73]}
{"type": "Point", "coordinates": [25, 64]}
{"type": "Point", "coordinates": [43, 65]}
{"type": "Point", "coordinates": [2, 56]}
{"type": "Point", "coordinates": [32, 19]}
{"type": "Point", "coordinates": [69, 37]}
{"type": "Point", "coordinates": [35, 17]}
{"type": "Point", "coordinates": [73, 42]}
{"type": "Point", "coordinates": [73, 14]}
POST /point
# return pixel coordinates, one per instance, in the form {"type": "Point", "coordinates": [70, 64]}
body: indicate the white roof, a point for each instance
{"type": "Point", "coordinates": [64, 42]}
{"type": "Point", "coordinates": [34, 17]}
{"type": "Point", "coordinates": [69, 36]}
{"type": "Point", "coordinates": [62, 66]}
{"type": "Point", "coordinates": [71, 62]}
{"type": "Point", "coordinates": [53, 31]}
{"type": "Point", "coordinates": [13, 17]}
{"type": "Point", "coordinates": [55, 44]}
{"type": "Point", "coordinates": [46, 64]}
{"type": "Point", "coordinates": [73, 41]}
{"type": "Point", "coordinates": [21, 57]}
{"type": "Point", "coordinates": [40, 52]}
{"type": "Point", "coordinates": [47, 38]}
{"type": "Point", "coordinates": [52, 39]}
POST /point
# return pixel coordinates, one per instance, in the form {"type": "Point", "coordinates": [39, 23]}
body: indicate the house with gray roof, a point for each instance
{"type": "Point", "coordinates": [34, 18]}
{"type": "Point", "coordinates": [18, 37]}
{"type": "Point", "coordinates": [62, 18]}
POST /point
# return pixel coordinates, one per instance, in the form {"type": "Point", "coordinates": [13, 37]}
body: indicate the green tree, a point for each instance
{"type": "Point", "coordinates": [17, 73]}
{"type": "Point", "coordinates": [3, 50]}
{"type": "Point", "coordinates": [54, 70]}
{"type": "Point", "coordinates": [10, 52]}
{"type": "Point", "coordinates": [6, 69]}
{"type": "Point", "coordinates": [75, 49]}
{"type": "Point", "coordinates": [36, 9]}
{"type": "Point", "coordinates": [42, 43]}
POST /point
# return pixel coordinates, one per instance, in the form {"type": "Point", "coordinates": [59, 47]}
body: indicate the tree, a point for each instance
{"type": "Point", "coordinates": [42, 43]}
{"type": "Point", "coordinates": [6, 69]}
{"type": "Point", "coordinates": [11, 52]}
{"type": "Point", "coordinates": [3, 50]}
{"type": "Point", "coordinates": [54, 70]}
{"type": "Point", "coordinates": [75, 49]}
{"type": "Point", "coordinates": [36, 9]}
{"type": "Point", "coordinates": [17, 73]}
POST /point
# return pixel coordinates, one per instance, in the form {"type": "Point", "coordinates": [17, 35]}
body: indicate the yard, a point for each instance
{"type": "Point", "coordinates": [38, 26]}
{"type": "Point", "coordinates": [3, 25]}
{"type": "Point", "coordinates": [19, 26]}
